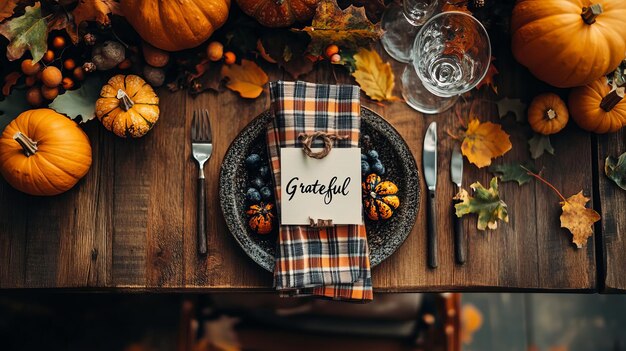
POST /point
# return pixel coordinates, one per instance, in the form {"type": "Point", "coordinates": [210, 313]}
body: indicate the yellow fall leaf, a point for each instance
{"type": "Point", "coordinates": [247, 79]}
{"type": "Point", "coordinates": [484, 142]}
{"type": "Point", "coordinates": [374, 76]}
{"type": "Point", "coordinates": [578, 219]}
{"type": "Point", "coordinates": [95, 10]}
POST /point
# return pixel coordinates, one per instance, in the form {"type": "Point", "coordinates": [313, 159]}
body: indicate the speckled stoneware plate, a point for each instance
{"type": "Point", "coordinates": [384, 237]}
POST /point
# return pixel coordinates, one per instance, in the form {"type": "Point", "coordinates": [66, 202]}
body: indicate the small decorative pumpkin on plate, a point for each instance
{"type": "Point", "coordinates": [598, 107]}
{"type": "Point", "coordinates": [175, 25]}
{"type": "Point", "coordinates": [379, 198]}
{"type": "Point", "coordinates": [569, 43]}
{"type": "Point", "coordinates": [279, 13]}
{"type": "Point", "coordinates": [261, 218]}
{"type": "Point", "coordinates": [128, 106]}
{"type": "Point", "coordinates": [43, 153]}
{"type": "Point", "coordinates": [547, 114]}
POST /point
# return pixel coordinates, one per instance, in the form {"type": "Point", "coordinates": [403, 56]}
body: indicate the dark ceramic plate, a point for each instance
{"type": "Point", "coordinates": [384, 237]}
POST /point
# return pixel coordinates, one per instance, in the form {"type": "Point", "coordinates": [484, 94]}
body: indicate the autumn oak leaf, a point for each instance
{"type": "Point", "coordinates": [484, 142]}
{"type": "Point", "coordinates": [247, 79]}
{"type": "Point", "coordinates": [9, 81]}
{"type": "Point", "coordinates": [374, 76]}
{"type": "Point", "coordinates": [578, 219]}
{"type": "Point", "coordinates": [348, 29]}
{"type": "Point", "coordinates": [615, 169]}
{"type": "Point", "coordinates": [486, 203]}
{"type": "Point", "coordinates": [29, 31]}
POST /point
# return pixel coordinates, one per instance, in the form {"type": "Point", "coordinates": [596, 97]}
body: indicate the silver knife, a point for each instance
{"type": "Point", "coordinates": [456, 173]}
{"type": "Point", "coordinates": [429, 159]}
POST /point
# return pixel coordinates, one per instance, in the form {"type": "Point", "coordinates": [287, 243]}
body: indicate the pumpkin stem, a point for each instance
{"type": "Point", "coordinates": [550, 114]}
{"type": "Point", "coordinates": [28, 144]}
{"type": "Point", "coordinates": [590, 13]}
{"type": "Point", "coordinates": [612, 99]}
{"type": "Point", "coordinates": [125, 102]}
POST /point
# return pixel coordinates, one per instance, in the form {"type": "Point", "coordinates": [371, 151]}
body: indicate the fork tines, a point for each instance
{"type": "Point", "coordinates": [201, 127]}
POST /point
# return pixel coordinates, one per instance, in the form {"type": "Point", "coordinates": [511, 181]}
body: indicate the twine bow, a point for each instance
{"type": "Point", "coordinates": [328, 139]}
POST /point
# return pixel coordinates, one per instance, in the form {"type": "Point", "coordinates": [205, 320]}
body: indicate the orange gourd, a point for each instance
{"type": "Point", "coordinates": [547, 114]}
{"type": "Point", "coordinates": [597, 107]}
{"type": "Point", "coordinates": [128, 106]}
{"type": "Point", "coordinates": [279, 13]}
{"type": "Point", "coordinates": [175, 25]}
{"type": "Point", "coordinates": [569, 43]}
{"type": "Point", "coordinates": [379, 198]}
{"type": "Point", "coordinates": [261, 218]}
{"type": "Point", "coordinates": [43, 153]}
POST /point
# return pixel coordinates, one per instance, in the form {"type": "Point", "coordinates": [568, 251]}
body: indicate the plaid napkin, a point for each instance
{"type": "Point", "coordinates": [331, 262]}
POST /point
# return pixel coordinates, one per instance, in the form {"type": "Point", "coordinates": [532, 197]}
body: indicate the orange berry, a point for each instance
{"type": "Point", "coordinates": [48, 56]}
{"type": "Point", "coordinates": [29, 67]}
{"type": "Point", "coordinates": [125, 64]}
{"type": "Point", "coordinates": [69, 64]}
{"type": "Point", "coordinates": [215, 51]}
{"type": "Point", "coordinates": [68, 83]}
{"type": "Point", "coordinates": [51, 76]}
{"type": "Point", "coordinates": [58, 42]}
{"type": "Point", "coordinates": [331, 50]}
{"type": "Point", "coordinates": [79, 73]}
{"type": "Point", "coordinates": [335, 58]}
{"type": "Point", "coordinates": [33, 97]}
{"type": "Point", "coordinates": [30, 81]}
{"type": "Point", "coordinates": [229, 57]}
{"type": "Point", "coordinates": [49, 93]}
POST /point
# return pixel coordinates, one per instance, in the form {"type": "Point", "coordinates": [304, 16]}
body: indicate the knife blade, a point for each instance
{"type": "Point", "coordinates": [429, 160]}
{"type": "Point", "coordinates": [456, 173]}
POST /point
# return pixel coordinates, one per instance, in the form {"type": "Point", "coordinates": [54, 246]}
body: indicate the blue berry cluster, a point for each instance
{"type": "Point", "coordinates": [261, 184]}
{"type": "Point", "coordinates": [370, 163]}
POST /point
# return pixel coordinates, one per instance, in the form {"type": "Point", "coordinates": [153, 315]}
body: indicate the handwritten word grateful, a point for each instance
{"type": "Point", "coordinates": [327, 191]}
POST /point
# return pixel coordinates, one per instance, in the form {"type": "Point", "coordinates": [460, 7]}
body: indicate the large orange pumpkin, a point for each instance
{"type": "Point", "coordinates": [569, 43]}
{"type": "Point", "coordinates": [174, 25]}
{"type": "Point", "coordinates": [279, 13]}
{"type": "Point", "coordinates": [597, 107]}
{"type": "Point", "coordinates": [43, 153]}
{"type": "Point", "coordinates": [128, 106]}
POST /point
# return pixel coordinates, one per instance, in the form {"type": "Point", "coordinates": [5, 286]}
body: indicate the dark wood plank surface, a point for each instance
{"type": "Point", "coordinates": [613, 211]}
{"type": "Point", "coordinates": [130, 224]}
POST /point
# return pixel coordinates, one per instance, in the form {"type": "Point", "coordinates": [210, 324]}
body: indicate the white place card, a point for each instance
{"type": "Point", "coordinates": [328, 188]}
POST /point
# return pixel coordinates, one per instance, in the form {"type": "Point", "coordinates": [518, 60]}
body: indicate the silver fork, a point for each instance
{"type": "Point", "coordinates": [201, 147]}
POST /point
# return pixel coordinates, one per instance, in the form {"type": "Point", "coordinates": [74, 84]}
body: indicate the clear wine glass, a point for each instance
{"type": "Point", "coordinates": [450, 56]}
{"type": "Point", "coordinates": [401, 23]}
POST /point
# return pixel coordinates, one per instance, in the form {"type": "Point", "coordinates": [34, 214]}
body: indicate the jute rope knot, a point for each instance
{"type": "Point", "coordinates": [328, 139]}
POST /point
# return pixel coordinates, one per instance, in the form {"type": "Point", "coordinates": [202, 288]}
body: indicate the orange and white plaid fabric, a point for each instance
{"type": "Point", "coordinates": [331, 262]}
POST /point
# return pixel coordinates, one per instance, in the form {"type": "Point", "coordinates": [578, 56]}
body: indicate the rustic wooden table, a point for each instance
{"type": "Point", "coordinates": [130, 224]}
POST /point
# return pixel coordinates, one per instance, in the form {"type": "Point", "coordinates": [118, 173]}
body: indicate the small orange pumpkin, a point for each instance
{"type": "Point", "coordinates": [547, 114]}
{"type": "Point", "coordinates": [379, 198]}
{"type": "Point", "coordinates": [279, 13]}
{"type": "Point", "coordinates": [261, 218]}
{"type": "Point", "coordinates": [43, 153]}
{"type": "Point", "coordinates": [175, 25]}
{"type": "Point", "coordinates": [128, 106]}
{"type": "Point", "coordinates": [598, 108]}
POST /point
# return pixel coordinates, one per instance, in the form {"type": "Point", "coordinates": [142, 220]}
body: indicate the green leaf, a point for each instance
{"type": "Point", "coordinates": [29, 31]}
{"type": "Point", "coordinates": [11, 107]}
{"type": "Point", "coordinates": [80, 102]}
{"type": "Point", "coordinates": [515, 106]}
{"type": "Point", "coordinates": [348, 29]}
{"type": "Point", "coordinates": [615, 169]}
{"type": "Point", "coordinates": [513, 172]}
{"type": "Point", "coordinates": [485, 203]}
{"type": "Point", "coordinates": [539, 144]}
